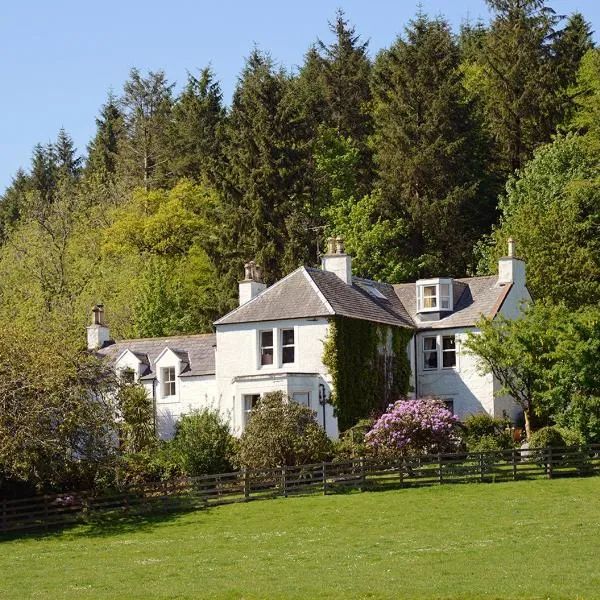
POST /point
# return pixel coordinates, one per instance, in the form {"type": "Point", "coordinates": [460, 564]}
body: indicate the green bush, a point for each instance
{"type": "Point", "coordinates": [203, 444]}
{"type": "Point", "coordinates": [352, 441]}
{"type": "Point", "coordinates": [282, 432]}
{"type": "Point", "coordinates": [547, 437]}
{"type": "Point", "coordinates": [480, 429]}
{"type": "Point", "coordinates": [156, 464]}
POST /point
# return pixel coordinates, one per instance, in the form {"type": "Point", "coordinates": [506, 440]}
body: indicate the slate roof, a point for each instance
{"type": "Point", "coordinates": [309, 292]}
{"type": "Point", "coordinates": [196, 352]}
{"type": "Point", "coordinates": [473, 297]}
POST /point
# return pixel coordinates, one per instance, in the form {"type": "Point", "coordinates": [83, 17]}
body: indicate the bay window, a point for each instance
{"type": "Point", "coordinates": [434, 295]}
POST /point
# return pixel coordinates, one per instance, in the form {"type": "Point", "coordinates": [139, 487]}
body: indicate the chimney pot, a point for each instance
{"type": "Point", "coordinates": [339, 245]}
{"type": "Point", "coordinates": [511, 247]}
{"type": "Point", "coordinates": [331, 244]}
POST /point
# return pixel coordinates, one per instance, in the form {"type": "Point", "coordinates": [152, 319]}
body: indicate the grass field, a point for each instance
{"type": "Point", "coordinates": [530, 539]}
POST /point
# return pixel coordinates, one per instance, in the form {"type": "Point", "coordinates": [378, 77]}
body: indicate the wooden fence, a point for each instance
{"type": "Point", "coordinates": [332, 477]}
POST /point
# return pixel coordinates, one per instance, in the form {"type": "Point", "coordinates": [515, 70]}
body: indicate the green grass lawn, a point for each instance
{"type": "Point", "coordinates": [530, 539]}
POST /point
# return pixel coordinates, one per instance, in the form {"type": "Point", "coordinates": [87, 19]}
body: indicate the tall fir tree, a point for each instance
{"type": "Point", "coordinates": [196, 133]}
{"type": "Point", "coordinates": [12, 202]}
{"type": "Point", "coordinates": [146, 105]}
{"type": "Point", "coordinates": [515, 80]}
{"type": "Point", "coordinates": [267, 187]}
{"type": "Point", "coordinates": [68, 164]}
{"type": "Point", "coordinates": [427, 150]}
{"type": "Point", "coordinates": [103, 150]}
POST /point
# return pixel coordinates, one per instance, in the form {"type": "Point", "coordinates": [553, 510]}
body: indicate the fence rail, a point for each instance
{"type": "Point", "coordinates": [326, 478]}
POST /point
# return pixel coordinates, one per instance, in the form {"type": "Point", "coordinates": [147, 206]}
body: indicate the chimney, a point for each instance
{"type": "Point", "coordinates": [252, 284]}
{"type": "Point", "coordinates": [337, 261]}
{"type": "Point", "coordinates": [98, 333]}
{"type": "Point", "coordinates": [510, 268]}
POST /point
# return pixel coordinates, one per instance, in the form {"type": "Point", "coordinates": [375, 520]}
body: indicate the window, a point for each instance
{"type": "Point", "coordinates": [266, 347]}
{"type": "Point", "coordinates": [429, 296]}
{"type": "Point", "coordinates": [449, 404]}
{"type": "Point", "coordinates": [302, 398]}
{"type": "Point", "coordinates": [249, 404]}
{"type": "Point", "coordinates": [168, 381]}
{"type": "Point", "coordinates": [287, 346]}
{"type": "Point", "coordinates": [434, 295]}
{"type": "Point", "coordinates": [448, 351]}
{"type": "Point", "coordinates": [430, 353]}
{"type": "Point", "coordinates": [439, 351]}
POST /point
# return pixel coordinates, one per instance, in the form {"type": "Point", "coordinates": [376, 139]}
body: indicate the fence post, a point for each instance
{"type": "Point", "coordinates": [3, 523]}
{"type": "Point", "coordinates": [514, 463]}
{"type": "Point", "coordinates": [481, 467]}
{"type": "Point", "coordinates": [549, 469]}
{"type": "Point", "coordinates": [284, 481]}
{"type": "Point", "coordinates": [362, 474]}
{"type": "Point", "coordinates": [440, 476]}
{"type": "Point", "coordinates": [324, 478]}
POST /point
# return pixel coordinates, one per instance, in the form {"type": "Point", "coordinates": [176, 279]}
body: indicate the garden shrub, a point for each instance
{"type": "Point", "coordinates": [282, 432]}
{"type": "Point", "coordinates": [480, 429]}
{"type": "Point", "coordinates": [547, 437]}
{"type": "Point", "coordinates": [158, 463]}
{"type": "Point", "coordinates": [352, 441]}
{"type": "Point", "coordinates": [419, 426]}
{"type": "Point", "coordinates": [203, 443]}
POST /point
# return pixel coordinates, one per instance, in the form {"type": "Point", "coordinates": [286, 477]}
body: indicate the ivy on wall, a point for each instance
{"type": "Point", "coordinates": [368, 365]}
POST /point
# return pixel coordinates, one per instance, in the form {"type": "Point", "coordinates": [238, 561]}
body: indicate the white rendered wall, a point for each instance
{"type": "Point", "coordinates": [239, 371]}
{"type": "Point", "coordinates": [470, 391]}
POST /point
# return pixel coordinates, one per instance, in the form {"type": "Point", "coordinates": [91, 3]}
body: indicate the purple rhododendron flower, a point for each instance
{"type": "Point", "coordinates": [414, 426]}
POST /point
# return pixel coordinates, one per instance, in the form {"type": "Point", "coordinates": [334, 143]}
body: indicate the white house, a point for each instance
{"type": "Point", "coordinates": [274, 341]}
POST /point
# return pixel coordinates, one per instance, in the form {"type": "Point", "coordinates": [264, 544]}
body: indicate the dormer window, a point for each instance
{"type": "Point", "coordinates": [434, 295]}
{"type": "Point", "coordinates": [168, 382]}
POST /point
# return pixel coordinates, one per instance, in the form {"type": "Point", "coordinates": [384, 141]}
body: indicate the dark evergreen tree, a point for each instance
{"type": "Point", "coordinates": [345, 71]}
{"type": "Point", "coordinates": [68, 164]}
{"type": "Point", "coordinates": [104, 148]}
{"type": "Point", "coordinates": [196, 134]}
{"type": "Point", "coordinates": [516, 79]}
{"type": "Point", "coordinates": [428, 151]}
{"type": "Point", "coordinates": [44, 172]}
{"type": "Point", "coordinates": [146, 105]}
{"type": "Point", "coordinates": [12, 201]}
{"type": "Point", "coordinates": [266, 188]}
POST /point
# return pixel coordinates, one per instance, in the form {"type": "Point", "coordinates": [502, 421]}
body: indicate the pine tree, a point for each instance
{"type": "Point", "coordinates": [146, 105]}
{"type": "Point", "coordinates": [68, 164]}
{"type": "Point", "coordinates": [103, 149]}
{"type": "Point", "coordinates": [516, 81]}
{"type": "Point", "coordinates": [266, 187]}
{"type": "Point", "coordinates": [12, 201]}
{"type": "Point", "coordinates": [196, 134]}
{"type": "Point", "coordinates": [427, 150]}
{"type": "Point", "coordinates": [344, 80]}
{"type": "Point", "coordinates": [44, 172]}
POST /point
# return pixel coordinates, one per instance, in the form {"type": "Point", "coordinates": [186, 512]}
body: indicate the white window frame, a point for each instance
{"type": "Point", "coordinates": [248, 407]}
{"type": "Point", "coordinates": [284, 346]}
{"type": "Point", "coordinates": [168, 384]}
{"type": "Point", "coordinates": [302, 393]}
{"type": "Point", "coordinates": [127, 375]}
{"type": "Point", "coordinates": [261, 348]}
{"type": "Point", "coordinates": [439, 352]}
{"type": "Point", "coordinates": [450, 351]}
{"type": "Point", "coordinates": [435, 351]}
{"type": "Point", "coordinates": [438, 301]}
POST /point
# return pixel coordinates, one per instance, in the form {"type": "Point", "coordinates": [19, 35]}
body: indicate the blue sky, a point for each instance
{"type": "Point", "coordinates": [62, 57]}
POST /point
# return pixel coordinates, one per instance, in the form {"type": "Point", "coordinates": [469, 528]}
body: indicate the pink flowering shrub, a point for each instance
{"type": "Point", "coordinates": [417, 426]}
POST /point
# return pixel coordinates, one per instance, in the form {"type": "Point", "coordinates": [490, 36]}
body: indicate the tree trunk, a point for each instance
{"type": "Point", "coordinates": [527, 423]}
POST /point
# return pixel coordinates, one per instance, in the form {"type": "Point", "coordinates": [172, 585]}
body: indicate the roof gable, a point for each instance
{"type": "Point", "coordinates": [293, 297]}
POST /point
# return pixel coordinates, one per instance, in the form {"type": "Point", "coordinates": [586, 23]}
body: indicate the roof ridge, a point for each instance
{"type": "Point", "coordinates": [165, 337]}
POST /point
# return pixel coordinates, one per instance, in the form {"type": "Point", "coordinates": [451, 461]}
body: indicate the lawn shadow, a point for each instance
{"type": "Point", "coordinates": [104, 524]}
